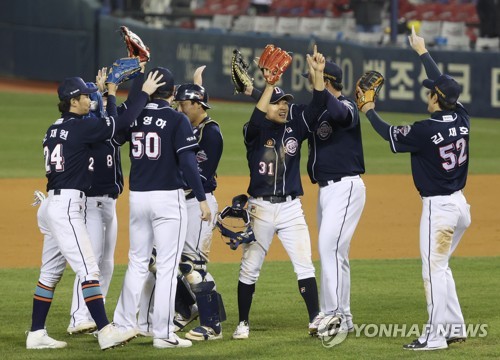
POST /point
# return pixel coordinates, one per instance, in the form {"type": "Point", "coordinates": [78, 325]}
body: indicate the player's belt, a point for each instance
{"type": "Point", "coordinates": [278, 199]}
{"type": "Point", "coordinates": [111, 196]}
{"type": "Point", "coordinates": [191, 195]}
{"type": "Point", "coordinates": [60, 191]}
{"type": "Point", "coordinates": [323, 183]}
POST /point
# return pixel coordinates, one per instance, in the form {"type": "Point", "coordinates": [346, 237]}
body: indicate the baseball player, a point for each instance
{"type": "Point", "coordinates": [61, 217]}
{"type": "Point", "coordinates": [107, 184]}
{"type": "Point", "coordinates": [163, 154]}
{"type": "Point", "coordinates": [335, 163]}
{"type": "Point", "coordinates": [273, 137]}
{"type": "Point", "coordinates": [439, 148]}
{"type": "Point", "coordinates": [192, 100]}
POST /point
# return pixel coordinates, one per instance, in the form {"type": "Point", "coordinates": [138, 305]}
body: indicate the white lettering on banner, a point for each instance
{"type": "Point", "coordinates": [495, 87]}
{"type": "Point", "coordinates": [402, 82]}
{"type": "Point", "coordinates": [298, 67]}
{"type": "Point", "coordinates": [461, 73]}
{"type": "Point", "coordinates": [195, 52]}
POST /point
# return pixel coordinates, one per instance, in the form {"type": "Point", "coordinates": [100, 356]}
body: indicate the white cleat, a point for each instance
{"type": "Point", "coordinates": [86, 327]}
{"type": "Point", "coordinates": [173, 342]}
{"type": "Point", "coordinates": [313, 325]}
{"type": "Point", "coordinates": [242, 331]}
{"type": "Point", "coordinates": [111, 336]}
{"type": "Point", "coordinates": [202, 333]}
{"type": "Point", "coordinates": [41, 340]}
{"type": "Point", "coordinates": [181, 322]}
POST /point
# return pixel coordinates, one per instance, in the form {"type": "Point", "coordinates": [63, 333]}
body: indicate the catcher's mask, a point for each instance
{"type": "Point", "coordinates": [192, 92]}
{"type": "Point", "coordinates": [236, 210]}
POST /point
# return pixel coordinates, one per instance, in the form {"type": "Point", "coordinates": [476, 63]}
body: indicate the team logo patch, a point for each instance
{"type": "Point", "coordinates": [324, 130]}
{"type": "Point", "coordinates": [252, 209]}
{"type": "Point", "coordinates": [201, 156]}
{"type": "Point", "coordinates": [400, 131]}
{"type": "Point", "coordinates": [291, 146]}
{"type": "Point", "coordinates": [270, 143]}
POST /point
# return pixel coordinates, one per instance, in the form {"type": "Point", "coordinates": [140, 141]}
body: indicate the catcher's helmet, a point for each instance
{"type": "Point", "coordinates": [192, 92]}
{"type": "Point", "coordinates": [96, 103]}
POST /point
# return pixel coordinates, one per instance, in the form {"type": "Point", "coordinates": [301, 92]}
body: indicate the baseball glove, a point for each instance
{"type": "Point", "coordinates": [239, 73]}
{"type": "Point", "coordinates": [135, 46]}
{"type": "Point", "coordinates": [123, 69]}
{"type": "Point", "coordinates": [276, 61]}
{"type": "Point", "coordinates": [370, 84]}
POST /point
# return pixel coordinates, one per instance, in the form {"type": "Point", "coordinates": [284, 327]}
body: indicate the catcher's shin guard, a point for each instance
{"type": "Point", "coordinates": [210, 305]}
{"type": "Point", "coordinates": [184, 298]}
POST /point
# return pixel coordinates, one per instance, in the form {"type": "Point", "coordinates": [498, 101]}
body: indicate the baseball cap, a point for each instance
{"type": "Point", "coordinates": [192, 92]}
{"type": "Point", "coordinates": [73, 87]}
{"type": "Point", "coordinates": [279, 94]}
{"type": "Point", "coordinates": [446, 87]}
{"type": "Point", "coordinates": [168, 79]}
{"type": "Point", "coordinates": [332, 71]}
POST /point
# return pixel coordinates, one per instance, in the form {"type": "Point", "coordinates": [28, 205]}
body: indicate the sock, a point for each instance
{"type": "Point", "coordinates": [245, 295]}
{"type": "Point", "coordinates": [41, 305]}
{"type": "Point", "coordinates": [94, 300]}
{"type": "Point", "coordinates": [309, 291]}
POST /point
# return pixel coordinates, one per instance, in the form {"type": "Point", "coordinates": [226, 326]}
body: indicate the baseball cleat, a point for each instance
{"type": "Point", "coordinates": [456, 339]}
{"type": "Point", "coordinates": [313, 325]}
{"type": "Point", "coordinates": [242, 331]}
{"type": "Point", "coordinates": [39, 339]}
{"type": "Point", "coordinates": [202, 333]}
{"type": "Point", "coordinates": [85, 327]}
{"type": "Point", "coordinates": [418, 346]}
{"type": "Point", "coordinates": [173, 342]}
{"type": "Point", "coordinates": [181, 322]}
{"type": "Point", "coordinates": [145, 333]}
{"type": "Point", "coordinates": [112, 336]}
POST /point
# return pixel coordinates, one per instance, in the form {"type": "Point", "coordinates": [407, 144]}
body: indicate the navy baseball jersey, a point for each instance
{"type": "Point", "coordinates": [335, 146]}
{"type": "Point", "coordinates": [159, 134]}
{"type": "Point", "coordinates": [273, 150]}
{"type": "Point", "coordinates": [66, 149]}
{"type": "Point", "coordinates": [208, 156]}
{"type": "Point", "coordinates": [439, 149]}
{"type": "Point", "coordinates": [107, 163]}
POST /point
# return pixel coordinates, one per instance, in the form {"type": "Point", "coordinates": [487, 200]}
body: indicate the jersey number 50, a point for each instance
{"type": "Point", "coordinates": [149, 144]}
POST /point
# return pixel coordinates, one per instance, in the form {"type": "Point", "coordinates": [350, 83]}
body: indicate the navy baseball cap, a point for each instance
{"type": "Point", "coordinates": [168, 79]}
{"type": "Point", "coordinates": [332, 71]}
{"type": "Point", "coordinates": [73, 87]}
{"type": "Point", "coordinates": [279, 94]}
{"type": "Point", "coordinates": [445, 87]}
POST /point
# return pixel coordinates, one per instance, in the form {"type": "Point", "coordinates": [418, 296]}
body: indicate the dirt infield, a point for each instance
{"type": "Point", "coordinates": [388, 226]}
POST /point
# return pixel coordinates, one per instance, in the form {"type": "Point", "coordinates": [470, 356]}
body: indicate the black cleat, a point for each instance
{"type": "Point", "coordinates": [456, 339]}
{"type": "Point", "coordinates": [418, 346]}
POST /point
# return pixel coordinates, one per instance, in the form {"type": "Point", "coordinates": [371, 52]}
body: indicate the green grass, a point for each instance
{"type": "Point", "coordinates": [26, 117]}
{"type": "Point", "coordinates": [383, 292]}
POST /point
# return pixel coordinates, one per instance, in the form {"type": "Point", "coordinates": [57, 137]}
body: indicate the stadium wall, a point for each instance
{"type": "Point", "coordinates": [79, 40]}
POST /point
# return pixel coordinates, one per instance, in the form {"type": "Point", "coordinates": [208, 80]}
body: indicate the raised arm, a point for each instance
{"type": "Point", "coordinates": [418, 44]}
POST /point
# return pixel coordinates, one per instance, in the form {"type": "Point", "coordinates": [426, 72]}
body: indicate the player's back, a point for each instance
{"type": "Point", "coordinates": [66, 149]}
{"type": "Point", "coordinates": [440, 166]}
{"type": "Point", "coordinates": [156, 137]}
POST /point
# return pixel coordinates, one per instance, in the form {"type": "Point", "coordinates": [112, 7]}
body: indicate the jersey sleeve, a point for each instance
{"type": "Point", "coordinates": [405, 138]}
{"type": "Point", "coordinates": [184, 139]}
{"type": "Point", "coordinates": [209, 155]}
{"type": "Point", "coordinates": [308, 114]}
{"type": "Point", "coordinates": [257, 122]}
